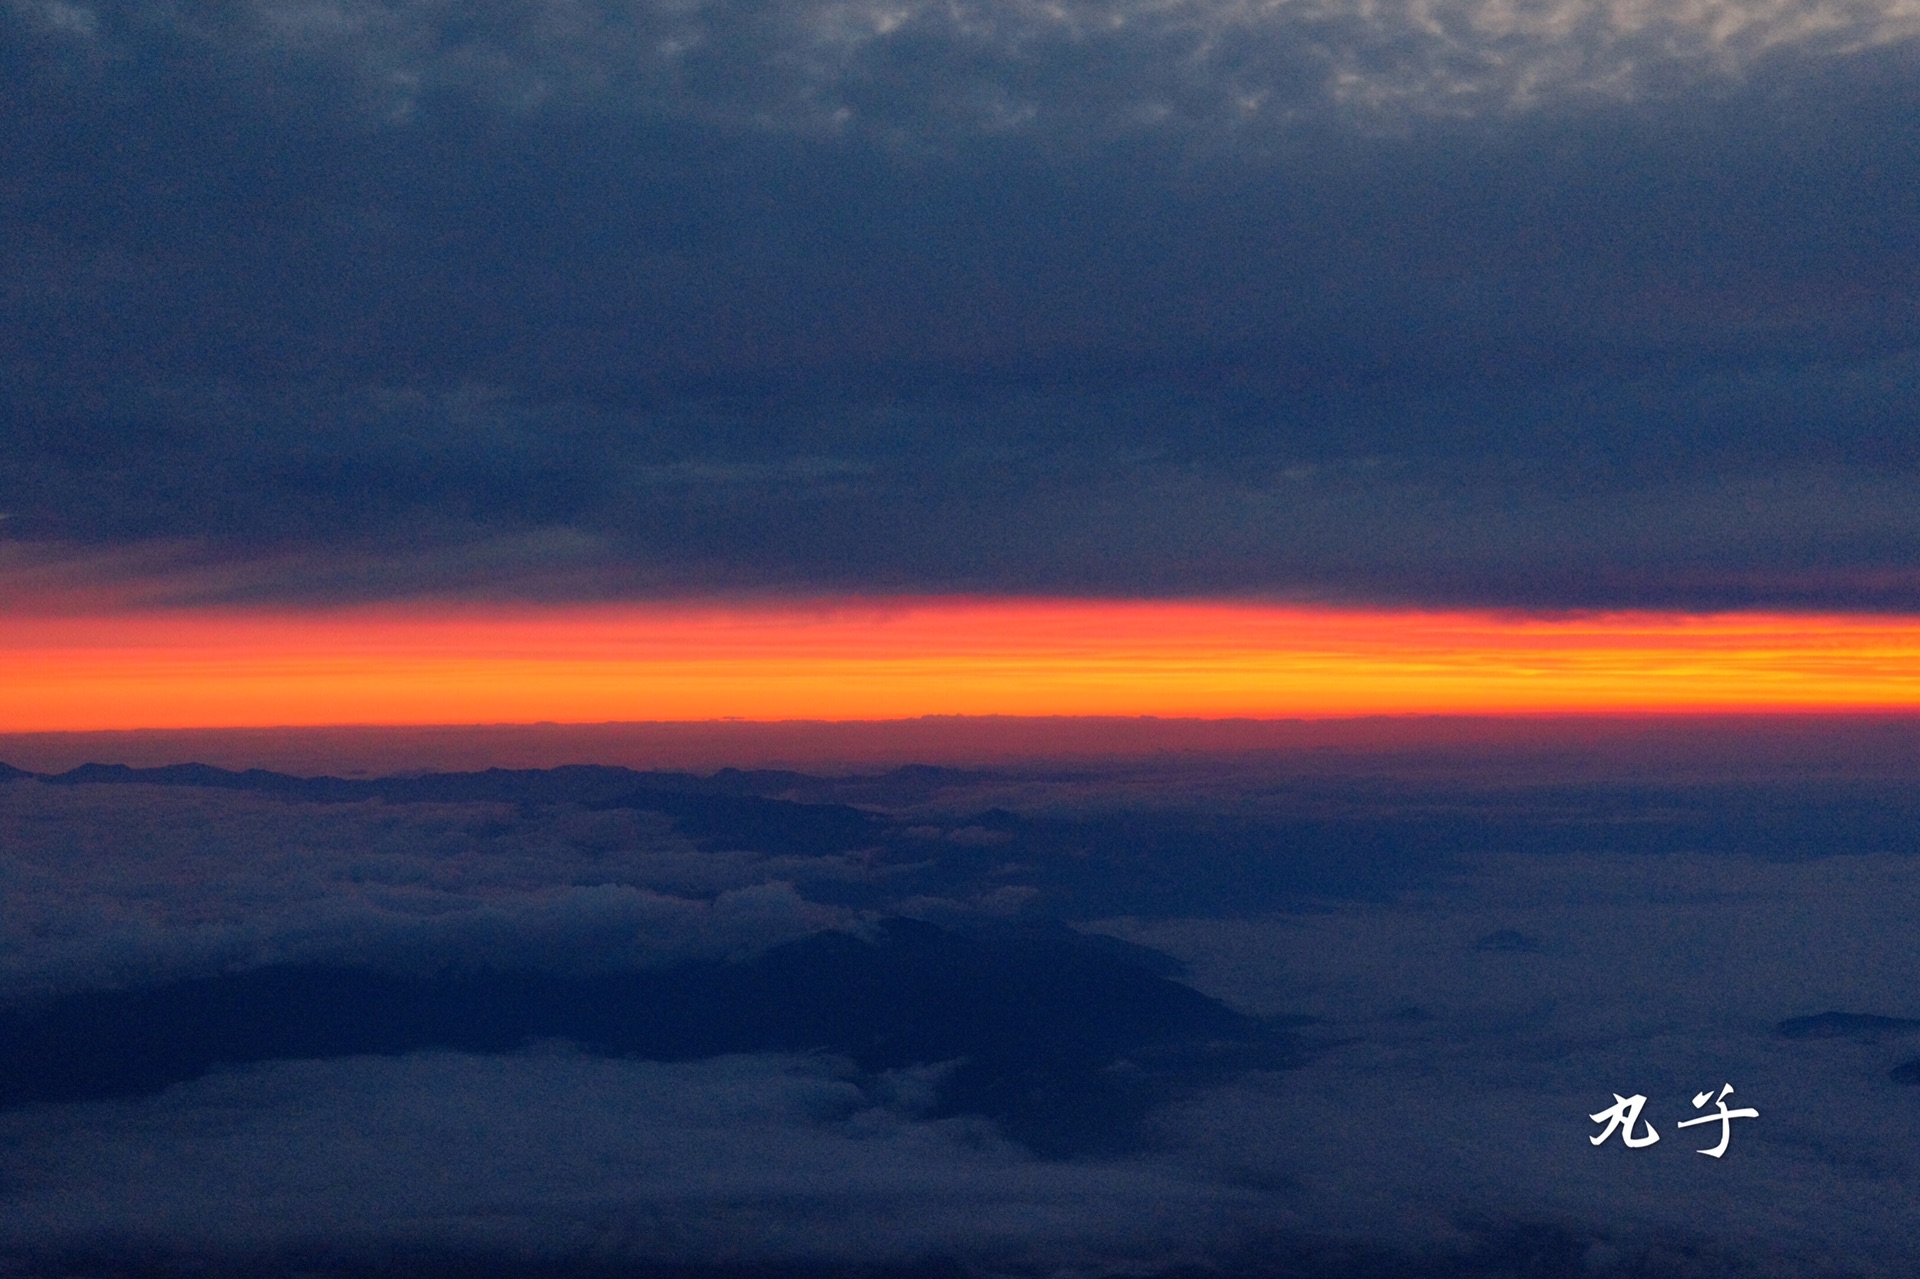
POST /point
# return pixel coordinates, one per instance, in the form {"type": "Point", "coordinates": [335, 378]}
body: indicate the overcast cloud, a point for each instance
{"type": "Point", "coordinates": [1542, 304]}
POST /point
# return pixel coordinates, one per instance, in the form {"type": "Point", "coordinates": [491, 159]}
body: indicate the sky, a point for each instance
{"type": "Point", "coordinates": [1044, 409]}
{"type": "Point", "coordinates": [1544, 307]}
{"type": "Point", "coordinates": [1226, 361]}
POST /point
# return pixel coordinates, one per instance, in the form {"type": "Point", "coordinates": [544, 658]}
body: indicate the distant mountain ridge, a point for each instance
{"type": "Point", "coordinates": [576, 783]}
{"type": "Point", "coordinates": [729, 810]}
{"type": "Point", "coordinates": [923, 831]}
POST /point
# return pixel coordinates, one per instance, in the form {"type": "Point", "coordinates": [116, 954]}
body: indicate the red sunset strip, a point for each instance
{"type": "Point", "coordinates": [844, 660]}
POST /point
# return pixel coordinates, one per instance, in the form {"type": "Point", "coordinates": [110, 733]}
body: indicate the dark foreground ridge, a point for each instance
{"type": "Point", "coordinates": [1066, 1039]}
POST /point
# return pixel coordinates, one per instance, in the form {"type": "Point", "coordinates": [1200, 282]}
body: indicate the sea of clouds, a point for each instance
{"type": "Point", "coordinates": [1462, 1033]}
{"type": "Point", "coordinates": [109, 886]}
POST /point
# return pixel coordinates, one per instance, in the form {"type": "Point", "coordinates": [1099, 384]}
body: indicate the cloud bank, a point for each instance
{"type": "Point", "coordinates": [1544, 305]}
{"type": "Point", "coordinates": [1450, 1032]}
{"type": "Point", "coordinates": [115, 886]}
{"type": "Point", "coordinates": [918, 74]}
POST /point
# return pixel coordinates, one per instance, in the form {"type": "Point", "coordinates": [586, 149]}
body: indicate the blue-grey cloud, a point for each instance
{"type": "Point", "coordinates": [917, 73]}
{"type": "Point", "coordinates": [1435, 1116]}
{"type": "Point", "coordinates": [109, 886]}
{"type": "Point", "coordinates": [1558, 304]}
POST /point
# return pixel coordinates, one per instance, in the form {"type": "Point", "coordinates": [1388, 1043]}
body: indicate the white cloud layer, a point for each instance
{"type": "Point", "coordinates": [1467, 1071]}
{"type": "Point", "coordinates": [737, 1160]}
{"type": "Point", "coordinates": [112, 885]}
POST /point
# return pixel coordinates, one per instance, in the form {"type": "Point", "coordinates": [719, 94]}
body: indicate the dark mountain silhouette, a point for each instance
{"type": "Point", "coordinates": [571, 783]}
{"type": "Point", "coordinates": [1067, 1040]}
{"type": "Point", "coordinates": [1509, 941]}
{"type": "Point", "coordinates": [719, 813]}
{"type": "Point", "coordinates": [1836, 1025]}
{"type": "Point", "coordinates": [1341, 838]}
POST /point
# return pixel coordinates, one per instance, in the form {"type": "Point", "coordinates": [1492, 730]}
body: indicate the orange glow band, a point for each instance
{"type": "Point", "coordinates": [879, 659]}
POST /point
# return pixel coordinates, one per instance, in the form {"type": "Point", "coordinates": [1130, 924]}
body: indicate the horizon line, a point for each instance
{"type": "Point", "coordinates": [902, 660]}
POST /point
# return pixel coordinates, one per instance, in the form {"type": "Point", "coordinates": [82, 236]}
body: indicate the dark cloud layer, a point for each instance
{"type": "Point", "coordinates": [1545, 305]}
